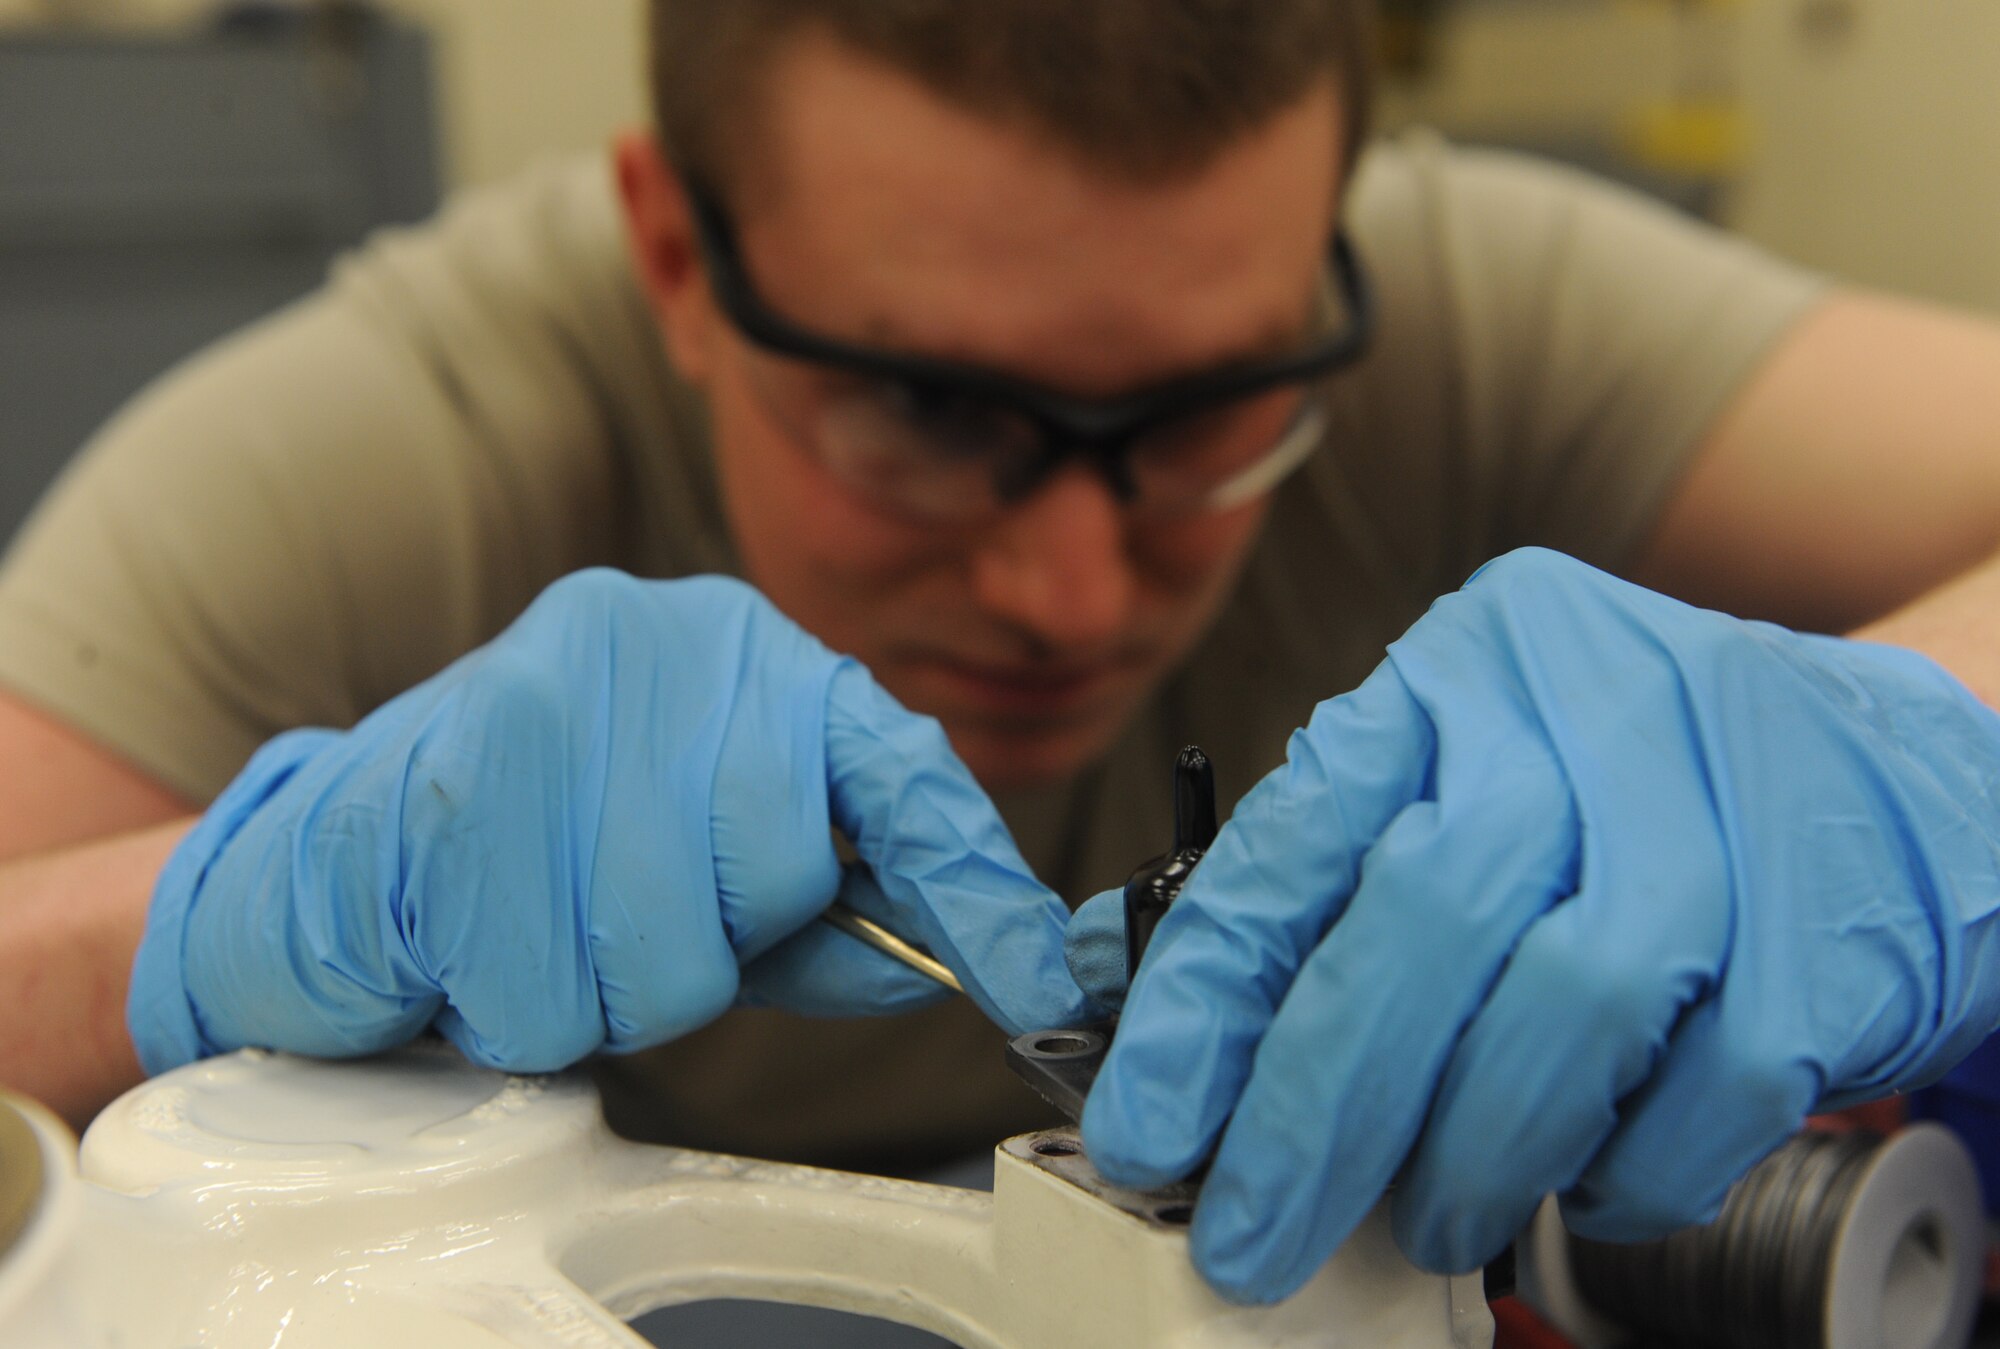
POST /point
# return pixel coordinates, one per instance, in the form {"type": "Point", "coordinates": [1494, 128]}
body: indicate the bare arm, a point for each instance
{"type": "Point", "coordinates": [1855, 487]}
{"type": "Point", "coordinates": [82, 837]}
{"type": "Point", "coordinates": [70, 922]}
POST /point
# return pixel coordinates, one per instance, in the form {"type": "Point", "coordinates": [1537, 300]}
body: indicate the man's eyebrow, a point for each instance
{"type": "Point", "coordinates": [882, 331]}
{"type": "Point", "coordinates": [1275, 338]}
{"type": "Point", "coordinates": [1279, 336]}
{"type": "Point", "coordinates": [1287, 334]}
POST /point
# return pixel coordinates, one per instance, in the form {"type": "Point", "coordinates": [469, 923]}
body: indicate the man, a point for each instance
{"type": "Point", "coordinates": [1009, 324]}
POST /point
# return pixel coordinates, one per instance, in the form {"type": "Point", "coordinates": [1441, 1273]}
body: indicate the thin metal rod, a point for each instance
{"type": "Point", "coordinates": [888, 943]}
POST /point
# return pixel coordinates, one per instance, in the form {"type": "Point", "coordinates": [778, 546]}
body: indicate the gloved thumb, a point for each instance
{"type": "Point", "coordinates": [1094, 946]}
{"type": "Point", "coordinates": [942, 859]}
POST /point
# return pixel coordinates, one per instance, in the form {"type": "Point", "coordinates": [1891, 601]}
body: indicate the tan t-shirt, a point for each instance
{"type": "Point", "coordinates": [314, 515]}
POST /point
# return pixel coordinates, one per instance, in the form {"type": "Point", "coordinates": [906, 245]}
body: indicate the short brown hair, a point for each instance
{"type": "Point", "coordinates": [1145, 89]}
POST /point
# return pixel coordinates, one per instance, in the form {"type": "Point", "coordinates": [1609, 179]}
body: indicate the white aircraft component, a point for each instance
{"type": "Point", "coordinates": [260, 1200]}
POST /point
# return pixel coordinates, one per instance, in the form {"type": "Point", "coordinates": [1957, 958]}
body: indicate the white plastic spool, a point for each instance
{"type": "Point", "coordinates": [1906, 1267]}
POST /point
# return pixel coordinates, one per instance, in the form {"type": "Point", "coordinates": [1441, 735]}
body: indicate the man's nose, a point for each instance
{"type": "Point", "coordinates": [1056, 564]}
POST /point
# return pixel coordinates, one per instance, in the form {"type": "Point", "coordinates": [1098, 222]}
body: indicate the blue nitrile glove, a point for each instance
{"type": "Point", "coordinates": [1583, 891]}
{"type": "Point", "coordinates": [598, 832]}
{"type": "Point", "coordinates": [1094, 946]}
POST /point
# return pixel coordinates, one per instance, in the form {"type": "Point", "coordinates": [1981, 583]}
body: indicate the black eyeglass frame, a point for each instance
{"type": "Point", "coordinates": [1100, 430]}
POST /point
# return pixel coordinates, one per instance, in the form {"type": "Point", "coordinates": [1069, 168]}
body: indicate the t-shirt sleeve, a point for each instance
{"type": "Point", "coordinates": [318, 512]}
{"type": "Point", "coordinates": [1565, 344]}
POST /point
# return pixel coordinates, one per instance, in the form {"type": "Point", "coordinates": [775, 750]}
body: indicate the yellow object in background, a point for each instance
{"type": "Point", "coordinates": [1692, 137]}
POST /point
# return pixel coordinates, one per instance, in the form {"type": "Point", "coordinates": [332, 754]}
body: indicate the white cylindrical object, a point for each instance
{"type": "Point", "coordinates": [1907, 1255]}
{"type": "Point", "coordinates": [1911, 1253]}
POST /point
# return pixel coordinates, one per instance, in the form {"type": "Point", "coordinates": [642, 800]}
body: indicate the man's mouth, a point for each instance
{"type": "Point", "coordinates": [1037, 691]}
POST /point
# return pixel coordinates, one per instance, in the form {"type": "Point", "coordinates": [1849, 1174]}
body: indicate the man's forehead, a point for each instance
{"type": "Point", "coordinates": [899, 219]}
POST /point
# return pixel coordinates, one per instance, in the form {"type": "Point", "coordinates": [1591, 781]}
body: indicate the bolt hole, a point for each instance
{"type": "Point", "coordinates": [1062, 1044]}
{"type": "Point", "coordinates": [1055, 1147]}
{"type": "Point", "coordinates": [1180, 1215]}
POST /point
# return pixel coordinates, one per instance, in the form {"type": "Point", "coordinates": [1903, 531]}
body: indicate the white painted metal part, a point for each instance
{"type": "Point", "coordinates": [35, 1304]}
{"type": "Point", "coordinates": [413, 1200]}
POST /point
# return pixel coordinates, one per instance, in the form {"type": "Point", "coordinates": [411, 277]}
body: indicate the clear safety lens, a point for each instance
{"type": "Point", "coordinates": [936, 453]}
{"type": "Point", "coordinates": [1227, 455]}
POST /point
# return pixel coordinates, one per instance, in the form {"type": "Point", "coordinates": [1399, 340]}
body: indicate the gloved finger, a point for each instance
{"type": "Point", "coordinates": [943, 859]}
{"type": "Point", "coordinates": [1671, 1160]}
{"type": "Point", "coordinates": [769, 824]}
{"type": "Point", "coordinates": [822, 971]}
{"type": "Point", "coordinates": [1578, 1020]}
{"type": "Point", "coordinates": [1344, 1080]}
{"type": "Point", "coordinates": [339, 942]}
{"type": "Point", "coordinates": [538, 1010]}
{"type": "Point", "coordinates": [710, 834]}
{"type": "Point", "coordinates": [1094, 947]}
{"type": "Point", "coordinates": [1581, 1013]}
{"type": "Point", "coordinates": [563, 921]}
{"type": "Point", "coordinates": [1277, 877]}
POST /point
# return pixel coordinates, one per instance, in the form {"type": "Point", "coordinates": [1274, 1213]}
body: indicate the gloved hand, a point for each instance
{"type": "Point", "coordinates": [1583, 891]}
{"type": "Point", "coordinates": [597, 832]}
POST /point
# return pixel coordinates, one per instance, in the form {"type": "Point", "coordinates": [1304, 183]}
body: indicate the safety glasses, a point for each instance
{"type": "Point", "coordinates": [943, 440]}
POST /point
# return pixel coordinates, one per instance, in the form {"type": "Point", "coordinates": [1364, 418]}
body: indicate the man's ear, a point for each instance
{"type": "Point", "coordinates": [660, 236]}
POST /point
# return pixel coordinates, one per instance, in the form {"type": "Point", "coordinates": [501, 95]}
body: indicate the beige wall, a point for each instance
{"type": "Point", "coordinates": [1875, 154]}
{"type": "Point", "coordinates": [518, 78]}
{"type": "Point", "coordinates": [1878, 154]}
{"type": "Point", "coordinates": [1560, 67]}
{"type": "Point", "coordinates": [1872, 127]}
{"type": "Point", "coordinates": [524, 78]}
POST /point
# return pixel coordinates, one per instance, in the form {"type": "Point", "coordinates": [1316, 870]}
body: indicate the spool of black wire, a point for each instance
{"type": "Point", "coordinates": [1835, 1241]}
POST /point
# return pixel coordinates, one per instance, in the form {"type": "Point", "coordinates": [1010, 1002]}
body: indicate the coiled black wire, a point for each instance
{"type": "Point", "coordinates": [1755, 1278]}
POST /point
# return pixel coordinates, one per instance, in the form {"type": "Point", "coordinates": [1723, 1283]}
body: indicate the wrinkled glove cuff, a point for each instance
{"type": "Point", "coordinates": [159, 1012]}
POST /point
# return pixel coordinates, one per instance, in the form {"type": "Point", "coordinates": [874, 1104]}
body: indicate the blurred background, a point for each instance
{"type": "Point", "coordinates": [1861, 136]}
{"type": "Point", "coordinates": [171, 168]}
